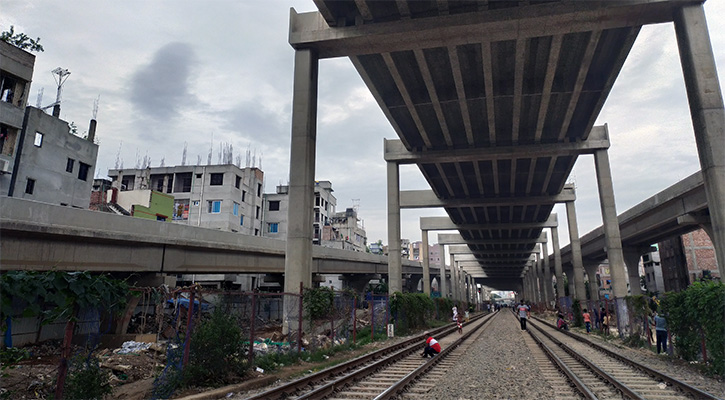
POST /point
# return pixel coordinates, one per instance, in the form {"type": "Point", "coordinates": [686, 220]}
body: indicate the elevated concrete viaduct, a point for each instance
{"type": "Point", "coordinates": [494, 101]}
{"type": "Point", "coordinates": [40, 236]}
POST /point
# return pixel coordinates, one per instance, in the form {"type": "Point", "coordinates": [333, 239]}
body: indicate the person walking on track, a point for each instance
{"type": "Point", "coordinates": [524, 314]}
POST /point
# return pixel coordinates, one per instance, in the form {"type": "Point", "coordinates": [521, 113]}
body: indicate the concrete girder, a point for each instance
{"type": "Point", "coordinates": [456, 238]}
{"type": "Point", "coordinates": [395, 150]}
{"type": "Point", "coordinates": [311, 30]}
{"type": "Point", "coordinates": [428, 199]}
{"type": "Point", "coordinates": [445, 223]}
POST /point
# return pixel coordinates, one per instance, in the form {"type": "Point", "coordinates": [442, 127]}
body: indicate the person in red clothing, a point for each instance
{"type": "Point", "coordinates": [459, 322]}
{"type": "Point", "coordinates": [587, 320]}
{"type": "Point", "coordinates": [432, 347]}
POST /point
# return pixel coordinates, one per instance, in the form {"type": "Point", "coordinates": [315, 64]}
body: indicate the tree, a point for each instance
{"type": "Point", "coordinates": [21, 40]}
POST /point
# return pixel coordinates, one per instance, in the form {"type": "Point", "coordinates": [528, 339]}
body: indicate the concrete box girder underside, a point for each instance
{"type": "Point", "coordinates": [465, 84]}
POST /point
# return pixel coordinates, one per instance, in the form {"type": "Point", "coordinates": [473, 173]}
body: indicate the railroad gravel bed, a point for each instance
{"type": "Point", "coordinates": [497, 366]}
{"type": "Point", "coordinates": [673, 367]}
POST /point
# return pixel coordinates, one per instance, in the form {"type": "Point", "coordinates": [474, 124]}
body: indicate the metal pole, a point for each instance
{"type": "Point", "coordinates": [189, 318]}
{"type": "Point", "coordinates": [354, 319]}
{"type": "Point", "coordinates": [299, 332]}
{"type": "Point", "coordinates": [250, 357]}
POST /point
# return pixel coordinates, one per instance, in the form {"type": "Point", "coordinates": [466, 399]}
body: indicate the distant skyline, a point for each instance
{"type": "Point", "coordinates": [184, 72]}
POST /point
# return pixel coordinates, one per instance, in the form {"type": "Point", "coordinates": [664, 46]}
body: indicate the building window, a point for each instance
{"type": "Point", "coordinates": [244, 194]}
{"type": "Point", "coordinates": [236, 208]}
{"type": "Point", "coordinates": [274, 205]}
{"type": "Point", "coordinates": [215, 206]}
{"type": "Point", "coordinates": [256, 215]}
{"type": "Point", "coordinates": [317, 201]}
{"type": "Point", "coordinates": [69, 165]}
{"type": "Point", "coordinates": [30, 186]}
{"type": "Point", "coordinates": [198, 176]}
{"type": "Point", "coordinates": [183, 183]}
{"type": "Point", "coordinates": [216, 179]}
{"type": "Point", "coordinates": [273, 227]}
{"type": "Point", "coordinates": [259, 190]}
{"type": "Point", "coordinates": [256, 232]}
{"type": "Point", "coordinates": [238, 182]}
{"type": "Point", "coordinates": [38, 139]}
{"type": "Point", "coordinates": [241, 220]}
{"type": "Point", "coordinates": [83, 171]}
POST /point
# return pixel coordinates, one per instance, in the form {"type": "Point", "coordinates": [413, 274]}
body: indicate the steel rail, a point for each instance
{"type": "Point", "coordinates": [394, 389]}
{"type": "Point", "coordinates": [698, 393]}
{"type": "Point", "coordinates": [583, 389]}
{"type": "Point", "coordinates": [288, 389]}
{"type": "Point", "coordinates": [628, 392]}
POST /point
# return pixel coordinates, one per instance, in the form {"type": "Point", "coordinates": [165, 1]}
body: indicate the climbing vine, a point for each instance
{"type": "Point", "coordinates": [53, 295]}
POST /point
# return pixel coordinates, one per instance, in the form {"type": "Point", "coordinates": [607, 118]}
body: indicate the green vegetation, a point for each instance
{"type": "Point", "coordinates": [578, 318]}
{"type": "Point", "coordinates": [86, 379]}
{"type": "Point", "coordinates": [317, 302]}
{"type": "Point", "coordinates": [217, 353]}
{"type": "Point", "coordinates": [53, 295]}
{"type": "Point", "coordinates": [694, 313]}
{"type": "Point", "coordinates": [21, 40]}
{"type": "Point", "coordinates": [411, 311]}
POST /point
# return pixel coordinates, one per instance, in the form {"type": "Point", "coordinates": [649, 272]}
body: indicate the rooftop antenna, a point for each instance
{"type": "Point", "coordinates": [60, 75]}
{"type": "Point", "coordinates": [39, 103]}
{"type": "Point", "coordinates": [95, 106]}
{"type": "Point", "coordinates": [183, 155]}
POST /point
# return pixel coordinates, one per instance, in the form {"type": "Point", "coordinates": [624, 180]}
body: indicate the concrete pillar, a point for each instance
{"type": "Point", "coordinates": [708, 114]}
{"type": "Point", "coordinates": [570, 281]}
{"type": "Point", "coordinates": [548, 289]}
{"type": "Point", "coordinates": [576, 251]}
{"type": "Point", "coordinates": [442, 268]}
{"type": "Point", "coordinates": [426, 262]}
{"type": "Point", "coordinates": [454, 278]}
{"type": "Point", "coordinates": [395, 264]}
{"type": "Point", "coordinates": [612, 236]}
{"type": "Point", "coordinates": [632, 255]}
{"type": "Point", "coordinates": [591, 267]}
{"type": "Point", "coordinates": [165, 187]}
{"type": "Point", "coordinates": [298, 255]}
{"type": "Point", "coordinates": [558, 268]}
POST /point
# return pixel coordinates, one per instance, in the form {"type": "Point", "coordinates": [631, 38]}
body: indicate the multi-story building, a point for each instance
{"type": "Point", "coordinates": [222, 197]}
{"type": "Point", "coordinates": [652, 272]}
{"type": "Point", "coordinates": [345, 231]}
{"type": "Point", "coordinates": [687, 258]}
{"type": "Point", "coordinates": [41, 159]}
{"type": "Point", "coordinates": [277, 205]}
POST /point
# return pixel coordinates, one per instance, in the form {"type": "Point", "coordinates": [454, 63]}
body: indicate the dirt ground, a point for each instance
{"type": "Point", "coordinates": [134, 373]}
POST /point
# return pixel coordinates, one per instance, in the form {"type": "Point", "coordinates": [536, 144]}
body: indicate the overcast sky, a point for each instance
{"type": "Point", "coordinates": [171, 73]}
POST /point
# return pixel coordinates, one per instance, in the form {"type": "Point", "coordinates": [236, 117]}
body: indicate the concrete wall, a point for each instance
{"type": "Point", "coordinates": [46, 164]}
{"type": "Point", "coordinates": [17, 65]}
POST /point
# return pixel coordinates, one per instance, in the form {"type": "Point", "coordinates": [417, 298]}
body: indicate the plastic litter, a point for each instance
{"type": "Point", "coordinates": [260, 370]}
{"type": "Point", "coordinates": [133, 347]}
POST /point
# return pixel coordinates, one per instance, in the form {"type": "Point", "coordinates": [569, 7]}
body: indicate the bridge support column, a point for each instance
{"type": "Point", "coordinates": [576, 252]}
{"type": "Point", "coordinates": [612, 235]}
{"type": "Point", "coordinates": [395, 264]}
{"type": "Point", "coordinates": [298, 254]}
{"type": "Point", "coordinates": [708, 114]}
{"type": "Point", "coordinates": [442, 268]}
{"type": "Point", "coordinates": [632, 255]}
{"type": "Point", "coordinates": [454, 278]}
{"type": "Point", "coordinates": [591, 267]}
{"type": "Point", "coordinates": [548, 289]}
{"type": "Point", "coordinates": [558, 268]}
{"type": "Point", "coordinates": [423, 252]}
{"type": "Point", "coordinates": [358, 282]}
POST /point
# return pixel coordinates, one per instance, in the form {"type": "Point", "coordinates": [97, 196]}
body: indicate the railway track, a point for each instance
{"type": "Point", "coordinates": [381, 374]}
{"type": "Point", "coordinates": [598, 373]}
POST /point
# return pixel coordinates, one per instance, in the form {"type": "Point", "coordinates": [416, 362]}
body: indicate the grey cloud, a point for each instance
{"type": "Point", "coordinates": [162, 87]}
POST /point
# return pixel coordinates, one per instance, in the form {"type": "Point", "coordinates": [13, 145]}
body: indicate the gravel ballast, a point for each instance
{"type": "Point", "coordinates": [497, 366]}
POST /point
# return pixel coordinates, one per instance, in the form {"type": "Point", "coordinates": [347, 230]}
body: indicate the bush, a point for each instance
{"type": "Point", "coordinates": [216, 351]}
{"type": "Point", "coordinates": [699, 310]}
{"type": "Point", "coordinates": [411, 310]}
{"type": "Point", "coordinates": [86, 379]}
{"type": "Point", "coordinates": [577, 311]}
{"type": "Point", "coordinates": [317, 302]}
